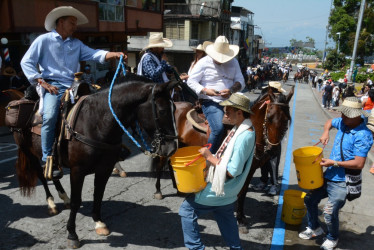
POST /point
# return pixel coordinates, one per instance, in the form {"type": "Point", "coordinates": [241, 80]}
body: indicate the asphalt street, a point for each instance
{"type": "Point", "coordinates": [138, 221]}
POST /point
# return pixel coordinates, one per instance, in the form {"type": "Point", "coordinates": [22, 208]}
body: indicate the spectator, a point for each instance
{"type": "Point", "coordinates": [327, 95]}
{"type": "Point", "coordinates": [351, 146]}
{"type": "Point", "coordinates": [87, 75]}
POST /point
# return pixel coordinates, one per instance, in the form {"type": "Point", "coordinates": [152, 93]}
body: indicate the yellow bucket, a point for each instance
{"type": "Point", "coordinates": [293, 209]}
{"type": "Point", "coordinates": [189, 169]}
{"type": "Point", "coordinates": [308, 171]}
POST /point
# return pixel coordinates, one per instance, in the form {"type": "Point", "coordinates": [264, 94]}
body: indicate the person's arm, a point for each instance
{"type": "Point", "coordinates": [325, 135]}
{"type": "Point", "coordinates": [194, 79]}
{"type": "Point", "coordinates": [152, 68]}
{"type": "Point", "coordinates": [357, 163]}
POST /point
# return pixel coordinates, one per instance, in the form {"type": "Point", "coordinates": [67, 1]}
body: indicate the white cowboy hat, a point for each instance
{"type": "Point", "coordinates": [206, 43]}
{"type": "Point", "coordinates": [352, 107]}
{"type": "Point", "coordinates": [56, 13]}
{"type": "Point", "coordinates": [199, 47]}
{"type": "Point", "coordinates": [276, 85]}
{"type": "Point", "coordinates": [157, 41]}
{"type": "Point", "coordinates": [238, 100]}
{"type": "Point", "coordinates": [221, 51]}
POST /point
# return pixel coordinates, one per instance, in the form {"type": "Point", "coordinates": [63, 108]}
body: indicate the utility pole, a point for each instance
{"type": "Point", "coordinates": [362, 8]}
{"type": "Point", "coordinates": [327, 28]}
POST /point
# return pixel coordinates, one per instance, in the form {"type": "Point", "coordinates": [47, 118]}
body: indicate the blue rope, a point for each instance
{"type": "Point", "coordinates": [141, 136]}
{"type": "Point", "coordinates": [121, 64]}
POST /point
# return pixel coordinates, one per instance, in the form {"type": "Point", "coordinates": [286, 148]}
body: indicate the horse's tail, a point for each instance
{"type": "Point", "coordinates": [26, 171]}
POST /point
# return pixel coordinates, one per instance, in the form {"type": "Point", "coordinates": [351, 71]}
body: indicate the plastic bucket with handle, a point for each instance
{"type": "Point", "coordinates": [293, 209]}
{"type": "Point", "coordinates": [309, 172]}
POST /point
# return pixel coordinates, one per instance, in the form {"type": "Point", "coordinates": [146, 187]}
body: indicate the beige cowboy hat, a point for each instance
{"type": "Point", "coordinates": [157, 41]}
{"type": "Point", "coordinates": [238, 100]}
{"type": "Point", "coordinates": [56, 13]}
{"type": "Point", "coordinates": [351, 107]}
{"type": "Point", "coordinates": [276, 85]}
{"type": "Point", "coordinates": [206, 43]}
{"type": "Point", "coordinates": [370, 123]}
{"type": "Point", "coordinates": [199, 47]}
{"type": "Point", "coordinates": [221, 51]}
{"type": "Point", "coordinates": [9, 71]}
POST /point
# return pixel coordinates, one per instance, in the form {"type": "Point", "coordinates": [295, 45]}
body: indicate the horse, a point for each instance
{"type": "Point", "coordinates": [253, 82]}
{"type": "Point", "coordinates": [96, 142]}
{"type": "Point", "coordinates": [7, 96]}
{"type": "Point", "coordinates": [270, 120]}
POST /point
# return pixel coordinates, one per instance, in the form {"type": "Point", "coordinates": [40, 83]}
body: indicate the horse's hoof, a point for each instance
{"type": "Point", "coordinates": [115, 171]}
{"type": "Point", "coordinates": [53, 211]}
{"type": "Point", "coordinates": [123, 174]}
{"type": "Point", "coordinates": [243, 230]}
{"type": "Point", "coordinates": [103, 231]}
{"type": "Point", "coordinates": [158, 196]}
{"type": "Point", "coordinates": [73, 244]}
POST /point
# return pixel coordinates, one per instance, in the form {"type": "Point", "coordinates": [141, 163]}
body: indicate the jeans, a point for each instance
{"type": "Point", "coordinates": [326, 101]}
{"type": "Point", "coordinates": [224, 216]}
{"type": "Point", "coordinates": [51, 112]}
{"type": "Point", "coordinates": [214, 114]}
{"type": "Point", "coordinates": [336, 193]}
{"type": "Point", "coordinates": [272, 167]}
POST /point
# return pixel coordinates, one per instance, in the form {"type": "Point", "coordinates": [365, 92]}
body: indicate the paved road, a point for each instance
{"type": "Point", "coordinates": [137, 221]}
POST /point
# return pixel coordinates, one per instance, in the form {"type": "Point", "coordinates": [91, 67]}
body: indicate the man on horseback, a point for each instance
{"type": "Point", "coordinates": [214, 78]}
{"type": "Point", "coordinates": [153, 63]}
{"type": "Point", "coordinates": [57, 55]}
{"type": "Point", "coordinates": [227, 174]}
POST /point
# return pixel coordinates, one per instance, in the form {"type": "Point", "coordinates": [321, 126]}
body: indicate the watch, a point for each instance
{"type": "Point", "coordinates": [336, 164]}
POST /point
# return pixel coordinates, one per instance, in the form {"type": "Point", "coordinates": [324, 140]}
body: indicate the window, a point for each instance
{"type": "Point", "coordinates": [111, 10]}
{"type": "Point", "coordinates": [153, 5]}
{"type": "Point", "coordinates": [174, 30]}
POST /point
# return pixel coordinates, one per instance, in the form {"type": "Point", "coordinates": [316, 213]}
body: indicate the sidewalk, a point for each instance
{"type": "Point", "coordinates": [335, 114]}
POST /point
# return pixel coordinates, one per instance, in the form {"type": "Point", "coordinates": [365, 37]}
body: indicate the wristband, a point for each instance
{"type": "Point", "coordinates": [336, 164]}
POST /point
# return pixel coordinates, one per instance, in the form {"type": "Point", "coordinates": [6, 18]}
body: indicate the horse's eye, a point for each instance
{"type": "Point", "coordinates": [162, 112]}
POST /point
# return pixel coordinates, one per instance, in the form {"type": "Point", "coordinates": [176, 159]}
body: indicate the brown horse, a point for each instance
{"type": "Point", "coordinates": [7, 96]}
{"type": "Point", "coordinates": [96, 142]}
{"type": "Point", "coordinates": [270, 120]}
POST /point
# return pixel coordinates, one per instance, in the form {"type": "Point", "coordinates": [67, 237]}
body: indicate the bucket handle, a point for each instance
{"type": "Point", "coordinates": [319, 156]}
{"type": "Point", "coordinates": [209, 145]}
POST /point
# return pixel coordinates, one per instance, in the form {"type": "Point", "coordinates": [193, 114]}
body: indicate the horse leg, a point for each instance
{"type": "Point", "coordinates": [76, 182]}
{"type": "Point", "coordinates": [62, 194]}
{"type": "Point", "coordinates": [160, 163]}
{"type": "Point", "coordinates": [101, 179]}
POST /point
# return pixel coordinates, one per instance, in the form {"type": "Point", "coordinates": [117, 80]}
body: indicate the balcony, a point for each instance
{"type": "Point", "coordinates": [182, 9]}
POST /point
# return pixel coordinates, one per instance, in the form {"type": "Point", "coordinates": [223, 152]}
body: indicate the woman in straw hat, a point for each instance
{"type": "Point", "coordinates": [214, 78]}
{"type": "Point", "coordinates": [153, 63]}
{"type": "Point", "coordinates": [351, 146]}
{"type": "Point", "coordinates": [226, 177]}
{"type": "Point", "coordinates": [58, 54]}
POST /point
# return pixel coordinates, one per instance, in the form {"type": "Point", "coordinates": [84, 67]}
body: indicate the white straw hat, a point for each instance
{"type": "Point", "coordinates": [199, 47]}
{"type": "Point", "coordinates": [221, 51]}
{"type": "Point", "coordinates": [56, 13]}
{"type": "Point", "coordinates": [238, 100]}
{"type": "Point", "coordinates": [352, 107]}
{"type": "Point", "coordinates": [157, 41]}
{"type": "Point", "coordinates": [276, 85]}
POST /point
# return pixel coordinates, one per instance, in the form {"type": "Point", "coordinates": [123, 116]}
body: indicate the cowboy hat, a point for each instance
{"type": "Point", "coordinates": [221, 51]}
{"type": "Point", "coordinates": [351, 107]}
{"type": "Point", "coordinates": [206, 43]}
{"type": "Point", "coordinates": [56, 13]}
{"type": "Point", "coordinates": [238, 100]}
{"type": "Point", "coordinates": [9, 71]}
{"type": "Point", "coordinates": [276, 85]}
{"type": "Point", "coordinates": [370, 123]}
{"type": "Point", "coordinates": [199, 47]}
{"type": "Point", "coordinates": [157, 41]}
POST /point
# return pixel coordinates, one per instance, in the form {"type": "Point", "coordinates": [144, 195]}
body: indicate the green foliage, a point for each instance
{"type": "Point", "coordinates": [362, 77]}
{"type": "Point", "coordinates": [334, 61]}
{"type": "Point", "coordinates": [335, 76]}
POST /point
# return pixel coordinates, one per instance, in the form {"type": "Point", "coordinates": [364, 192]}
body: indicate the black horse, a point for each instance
{"type": "Point", "coordinates": [132, 100]}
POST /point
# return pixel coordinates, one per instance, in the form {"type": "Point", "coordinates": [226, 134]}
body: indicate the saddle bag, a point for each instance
{"type": "Point", "coordinates": [18, 113]}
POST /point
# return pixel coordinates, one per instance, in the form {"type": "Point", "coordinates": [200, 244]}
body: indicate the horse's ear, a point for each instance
{"type": "Point", "coordinates": [271, 94]}
{"type": "Point", "coordinates": [289, 96]}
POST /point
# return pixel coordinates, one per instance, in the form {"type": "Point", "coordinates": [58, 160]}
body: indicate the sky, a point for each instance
{"type": "Point", "coordinates": [279, 21]}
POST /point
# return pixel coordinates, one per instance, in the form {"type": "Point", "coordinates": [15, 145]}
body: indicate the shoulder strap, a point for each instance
{"type": "Point", "coordinates": [341, 147]}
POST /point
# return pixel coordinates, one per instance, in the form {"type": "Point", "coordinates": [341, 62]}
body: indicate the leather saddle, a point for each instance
{"type": "Point", "coordinates": [199, 121]}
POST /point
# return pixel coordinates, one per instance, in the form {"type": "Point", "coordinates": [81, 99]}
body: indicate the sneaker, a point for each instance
{"type": "Point", "coordinates": [260, 186]}
{"type": "Point", "coordinates": [372, 169]}
{"type": "Point", "coordinates": [273, 190]}
{"type": "Point", "coordinates": [329, 244]}
{"type": "Point", "coordinates": [309, 233]}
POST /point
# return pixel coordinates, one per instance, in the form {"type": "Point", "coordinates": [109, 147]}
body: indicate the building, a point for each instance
{"type": "Point", "coordinates": [188, 23]}
{"type": "Point", "coordinates": [110, 22]}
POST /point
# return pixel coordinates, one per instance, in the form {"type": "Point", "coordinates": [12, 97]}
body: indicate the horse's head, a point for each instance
{"type": "Point", "coordinates": [156, 116]}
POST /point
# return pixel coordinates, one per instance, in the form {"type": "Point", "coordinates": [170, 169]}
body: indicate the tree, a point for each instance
{"type": "Point", "coordinates": [343, 20]}
{"type": "Point", "coordinates": [334, 61]}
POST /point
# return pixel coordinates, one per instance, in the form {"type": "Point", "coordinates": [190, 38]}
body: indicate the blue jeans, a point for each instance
{"type": "Point", "coordinates": [51, 110]}
{"type": "Point", "coordinates": [326, 101]}
{"type": "Point", "coordinates": [336, 193]}
{"type": "Point", "coordinates": [214, 114]}
{"type": "Point", "coordinates": [224, 216]}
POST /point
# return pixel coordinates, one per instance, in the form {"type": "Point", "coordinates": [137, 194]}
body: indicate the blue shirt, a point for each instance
{"type": "Point", "coordinates": [356, 142]}
{"type": "Point", "coordinates": [241, 158]}
{"type": "Point", "coordinates": [58, 59]}
{"type": "Point", "coordinates": [152, 70]}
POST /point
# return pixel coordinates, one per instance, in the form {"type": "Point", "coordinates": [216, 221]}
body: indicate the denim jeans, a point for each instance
{"type": "Point", "coordinates": [336, 193]}
{"type": "Point", "coordinates": [214, 114]}
{"type": "Point", "coordinates": [326, 101]}
{"type": "Point", "coordinates": [224, 216]}
{"type": "Point", "coordinates": [51, 105]}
